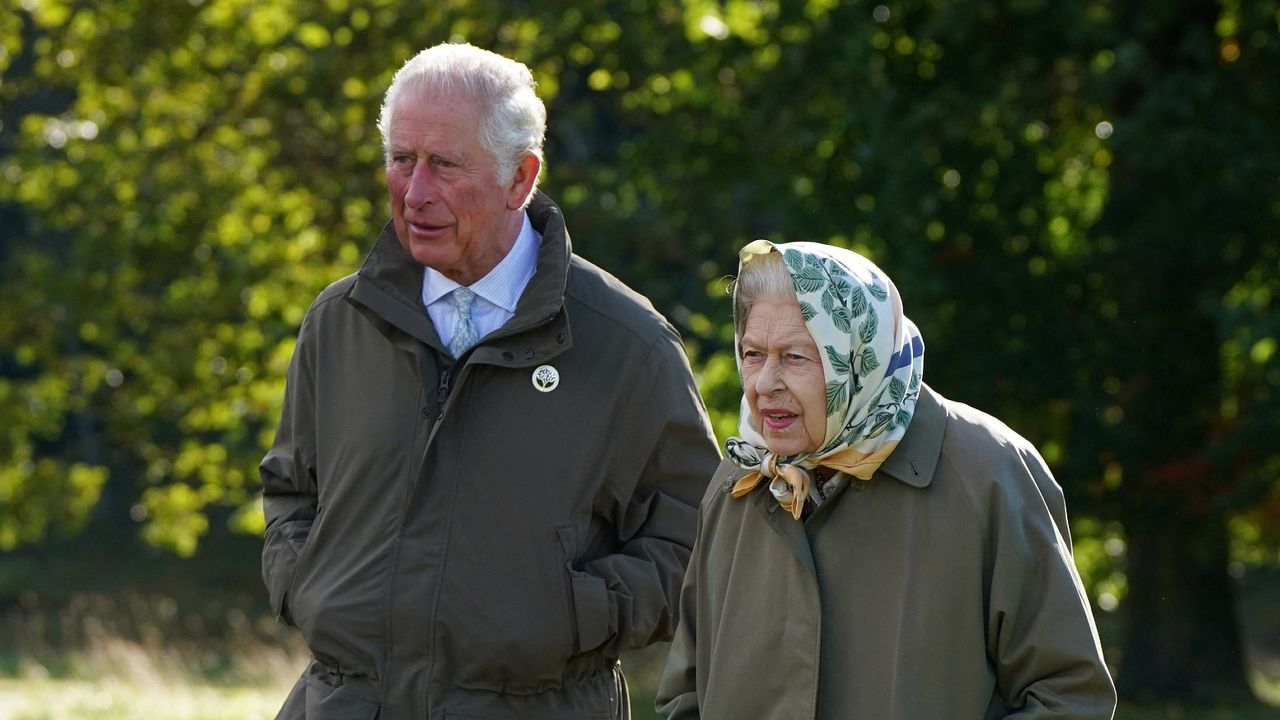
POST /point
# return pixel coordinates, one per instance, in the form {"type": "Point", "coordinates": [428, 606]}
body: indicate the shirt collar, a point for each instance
{"type": "Point", "coordinates": [504, 284]}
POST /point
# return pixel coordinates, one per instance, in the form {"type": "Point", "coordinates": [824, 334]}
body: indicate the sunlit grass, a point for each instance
{"type": "Point", "coordinates": [57, 699]}
{"type": "Point", "coordinates": [136, 656]}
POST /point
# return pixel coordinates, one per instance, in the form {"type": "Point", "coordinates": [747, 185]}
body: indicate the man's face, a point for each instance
{"type": "Point", "coordinates": [449, 212]}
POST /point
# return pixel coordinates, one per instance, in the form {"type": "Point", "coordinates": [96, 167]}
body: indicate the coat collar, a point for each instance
{"type": "Point", "coordinates": [389, 284]}
{"type": "Point", "coordinates": [916, 456]}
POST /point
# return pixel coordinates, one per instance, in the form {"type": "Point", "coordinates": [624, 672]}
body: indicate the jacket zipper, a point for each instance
{"type": "Point", "coordinates": [442, 392]}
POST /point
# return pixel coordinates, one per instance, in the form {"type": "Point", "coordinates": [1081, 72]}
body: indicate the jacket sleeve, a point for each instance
{"type": "Point", "coordinates": [627, 598]}
{"type": "Point", "coordinates": [288, 473]}
{"type": "Point", "coordinates": [1041, 635]}
{"type": "Point", "coordinates": [677, 695]}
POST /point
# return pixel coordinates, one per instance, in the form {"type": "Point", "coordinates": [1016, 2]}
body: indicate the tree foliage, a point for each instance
{"type": "Point", "coordinates": [1078, 200]}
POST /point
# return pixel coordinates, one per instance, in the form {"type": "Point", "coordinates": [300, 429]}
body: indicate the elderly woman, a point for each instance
{"type": "Point", "coordinates": [869, 550]}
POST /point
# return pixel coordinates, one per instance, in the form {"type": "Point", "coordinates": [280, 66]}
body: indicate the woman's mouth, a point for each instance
{"type": "Point", "coordinates": [778, 419]}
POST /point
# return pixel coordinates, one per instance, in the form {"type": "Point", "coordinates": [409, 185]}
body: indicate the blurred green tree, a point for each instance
{"type": "Point", "coordinates": [1079, 201]}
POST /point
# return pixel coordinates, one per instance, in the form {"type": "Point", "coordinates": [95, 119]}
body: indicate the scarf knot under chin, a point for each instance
{"type": "Point", "coordinates": [789, 483]}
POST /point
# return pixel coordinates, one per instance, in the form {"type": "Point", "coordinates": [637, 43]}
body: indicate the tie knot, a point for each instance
{"type": "Point", "coordinates": [462, 300]}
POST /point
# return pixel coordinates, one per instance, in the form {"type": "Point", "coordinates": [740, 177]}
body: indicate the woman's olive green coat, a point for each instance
{"type": "Point", "coordinates": [943, 588]}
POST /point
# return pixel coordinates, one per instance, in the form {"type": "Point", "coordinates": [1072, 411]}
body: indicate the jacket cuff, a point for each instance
{"type": "Point", "coordinates": [279, 560]}
{"type": "Point", "coordinates": [591, 608]}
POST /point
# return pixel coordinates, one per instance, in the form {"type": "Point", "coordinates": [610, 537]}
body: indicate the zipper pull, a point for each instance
{"type": "Point", "coordinates": [442, 393]}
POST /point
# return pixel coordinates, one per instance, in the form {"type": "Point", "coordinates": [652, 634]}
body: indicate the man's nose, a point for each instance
{"type": "Point", "coordinates": [421, 188]}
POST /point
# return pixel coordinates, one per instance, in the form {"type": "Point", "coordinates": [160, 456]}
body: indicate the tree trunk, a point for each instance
{"type": "Point", "coordinates": [1183, 639]}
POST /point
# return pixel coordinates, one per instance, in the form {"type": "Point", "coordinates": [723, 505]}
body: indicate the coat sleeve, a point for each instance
{"type": "Point", "coordinates": [677, 695]}
{"type": "Point", "coordinates": [1041, 635]}
{"type": "Point", "coordinates": [666, 450]}
{"type": "Point", "coordinates": [288, 473]}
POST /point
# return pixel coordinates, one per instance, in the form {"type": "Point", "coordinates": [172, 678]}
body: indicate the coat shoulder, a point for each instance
{"type": "Point", "coordinates": [995, 465]}
{"type": "Point", "coordinates": [976, 439]}
{"type": "Point", "coordinates": [323, 304]}
{"type": "Point", "coordinates": [593, 291]}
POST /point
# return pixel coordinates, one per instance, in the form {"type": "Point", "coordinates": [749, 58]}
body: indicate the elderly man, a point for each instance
{"type": "Point", "coordinates": [485, 480]}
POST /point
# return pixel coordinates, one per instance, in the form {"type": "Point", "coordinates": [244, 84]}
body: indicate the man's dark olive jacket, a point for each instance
{"type": "Point", "coordinates": [453, 541]}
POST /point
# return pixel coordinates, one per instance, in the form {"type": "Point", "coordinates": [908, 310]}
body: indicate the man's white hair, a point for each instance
{"type": "Point", "coordinates": [514, 120]}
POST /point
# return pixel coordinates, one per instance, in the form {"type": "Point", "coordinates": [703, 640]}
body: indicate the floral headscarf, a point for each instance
{"type": "Point", "coordinates": [872, 361]}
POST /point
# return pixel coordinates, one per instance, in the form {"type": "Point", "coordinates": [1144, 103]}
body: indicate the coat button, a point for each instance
{"type": "Point", "coordinates": [426, 411]}
{"type": "Point", "coordinates": [528, 353]}
{"type": "Point", "coordinates": [560, 338]}
{"type": "Point", "coordinates": [727, 485]}
{"type": "Point", "coordinates": [508, 355]}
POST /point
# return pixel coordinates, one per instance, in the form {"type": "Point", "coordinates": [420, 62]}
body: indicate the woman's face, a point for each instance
{"type": "Point", "coordinates": [782, 377]}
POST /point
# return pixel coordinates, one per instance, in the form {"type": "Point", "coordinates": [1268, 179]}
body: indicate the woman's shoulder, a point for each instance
{"type": "Point", "coordinates": [975, 438]}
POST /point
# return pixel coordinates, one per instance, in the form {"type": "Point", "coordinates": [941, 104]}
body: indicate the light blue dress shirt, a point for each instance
{"type": "Point", "coordinates": [496, 293]}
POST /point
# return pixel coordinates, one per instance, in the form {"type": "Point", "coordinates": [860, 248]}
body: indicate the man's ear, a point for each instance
{"type": "Point", "coordinates": [522, 181]}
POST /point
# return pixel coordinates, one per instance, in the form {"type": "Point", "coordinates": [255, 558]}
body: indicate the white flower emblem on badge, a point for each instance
{"type": "Point", "coordinates": [545, 378]}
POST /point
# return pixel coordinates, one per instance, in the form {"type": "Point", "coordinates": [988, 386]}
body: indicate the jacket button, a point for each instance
{"type": "Point", "coordinates": [508, 355]}
{"type": "Point", "coordinates": [528, 353]}
{"type": "Point", "coordinates": [560, 338]}
{"type": "Point", "coordinates": [426, 411]}
{"type": "Point", "coordinates": [727, 485]}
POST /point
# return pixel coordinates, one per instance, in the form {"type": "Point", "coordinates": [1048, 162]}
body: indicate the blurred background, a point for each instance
{"type": "Point", "coordinates": [1079, 201]}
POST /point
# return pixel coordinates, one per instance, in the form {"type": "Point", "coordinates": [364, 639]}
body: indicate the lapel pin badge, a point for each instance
{"type": "Point", "coordinates": [545, 378]}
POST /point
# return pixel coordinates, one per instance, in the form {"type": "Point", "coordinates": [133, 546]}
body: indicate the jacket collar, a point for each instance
{"type": "Point", "coordinates": [389, 284]}
{"type": "Point", "coordinates": [916, 456]}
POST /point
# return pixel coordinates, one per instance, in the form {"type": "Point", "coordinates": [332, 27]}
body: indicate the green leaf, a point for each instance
{"type": "Point", "coordinates": [839, 362]}
{"type": "Point", "coordinates": [857, 301]}
{"type": "Point", "coordinates": [836, 396]}
{"type": "Point", "coordinates": [883, 420]}
{"type": "Point", "coordinates": [807, 281]}
{"type": "Point", "coordinates": [896, 390]}
{"type": "Point", "coordinates": [868, 331]}
{"type": "Point", "coordinates": [808, 311]}
{"type": "Point", "coordinates": [879, 291]}
{"type": "Point", "coordinates": [840, 288]}
{"type": "Point", "coordinates": [794, 259]}
{"type": "Point", "coordinates": [840, 318]}
{"type": "Point", "coordinates": [828, 302]}
{"type": "Point", "coordinates": [867, 361]}
{"type": "Point", "coordinates": [902, 418]}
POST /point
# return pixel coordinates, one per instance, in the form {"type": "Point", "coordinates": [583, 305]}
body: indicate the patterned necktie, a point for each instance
{"type": "Point", "coordinates": [464, 331]}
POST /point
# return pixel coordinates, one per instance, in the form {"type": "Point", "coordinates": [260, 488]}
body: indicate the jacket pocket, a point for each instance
{"type": "Point", "coordinates": [506, 622]}
{"type": "Point", "coordinates": [281, 551]}
{"type": "Point", "coordinates": [588, 598]}
{"type": "Point", "coordinates": [303, 544]}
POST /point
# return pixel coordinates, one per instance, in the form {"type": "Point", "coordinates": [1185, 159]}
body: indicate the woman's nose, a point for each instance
{"type": "Point", "coordinates": [769, 380]}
